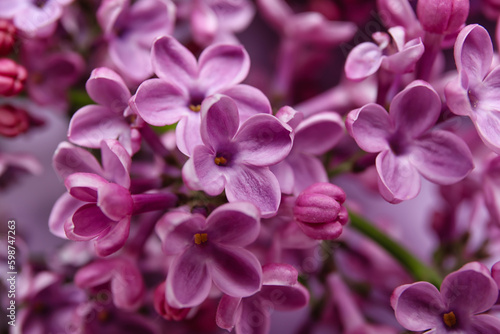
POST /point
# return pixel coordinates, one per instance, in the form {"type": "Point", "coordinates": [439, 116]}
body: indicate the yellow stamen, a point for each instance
{"type": "Point", "coordinates": [195, 108]}
{"type": "Point", "coordinates": [450, 319]}
{"type": "Point", "coordinates": [200, 238]}
{"type": "Point", "coordinates": [220, 161]}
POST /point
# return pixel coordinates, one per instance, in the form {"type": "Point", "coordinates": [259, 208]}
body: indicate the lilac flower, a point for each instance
{"type": "Point", "coordinates": [111, 119]}
{"type": "Point", "coordinates": [216, 20]}
{"type": "Point", "coordinates": [313, 137]}
{"type": "Point", "coordinates": [99, 205]}
{"type": "Point", "coordinates": [474, 92]}
{"type": "Point", "coordinates": [34, 17]}
{"type": "Point", "coordinates": [393, 53]}
{"type": "Point", "coordinates": [443, 16]}
{"type": "Point", "coordinates": [280, 292]}
{"type": "Point", "coordinates": [184, 83]}
{"type": "Point", "coordinates": [130, 31]}
{"type": "Point", "coordinates": [209, 250]}
{"type": "Point", "coordinates": [120, 274]}
{"type": "Point", "coordinates": [400, 13]}
{"type": "Point", "coordinates": [235, 159]}
{"type": "Point", "coordinates": [406, 143]}
{"type": "Point", "coordinates": [465, 294]}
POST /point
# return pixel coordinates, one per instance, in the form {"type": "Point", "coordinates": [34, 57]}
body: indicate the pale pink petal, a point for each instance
{"type": "Point", "coordinates": [108, 89]}
{"type": "Point", "coordinates": [364, 60]}
{"type": "Point", "coordinates": [220, 121]}
{"type": "Point", "coordinates": [473, 52]}
{"type": "Point", "coordinates": [319, 133]}
{"type": "Point", "coordinates": [69, 159]}
{"type": "Point", "coordinates": [228, 312]}
{"type": "Point", "coordinates": [83, 186]}
{"type": "Point", "coordinates": [371, 127]}
{"type": "Point", "coordinates": [62, 213]}
{"type": "Point", "coordinates": [173, 62]}
{"type": "Point", "coordinates": [116, 162]}
{"type": "Point", "coordinates": [177, 229]}
{"type": "Point", "coordinates": [249, 100]}
{"type": "Point", "coordinates": [187, 133]}
{"type": "Point", "coordinates": [209, 175]}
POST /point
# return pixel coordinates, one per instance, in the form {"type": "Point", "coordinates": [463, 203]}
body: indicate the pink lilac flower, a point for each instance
{"type": "Point", "coordinates": [130, 30]}
{"type": "Point", "coordinates": [474, 92]}
{"type": "Point", "coordinates": [184, 83]}
{"type": "Point", "coordinates": [407, 144]}
{"type": "Point", "coordinates": [280, 292]}
{"type": "Point", "coordinates": [313, 137]}
{"type": "Point", "coordinates": [400, 13]}
{"type": "Point", "coordinates": [457, 308]}
{"type": "Point", "coordinates": [394, 53]}
{"type": "Point", "coordinates": [216, 21]}
{"type": "Point", "coordinates": [236, 159]}
{"type": "Point", "coordinates": [210, 250]}
{"type": "Point", "coordinates": [110, 119]}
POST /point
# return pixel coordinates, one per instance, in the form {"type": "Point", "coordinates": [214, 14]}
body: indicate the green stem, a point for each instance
{"type": "Point", "coordinates": [419, 270]}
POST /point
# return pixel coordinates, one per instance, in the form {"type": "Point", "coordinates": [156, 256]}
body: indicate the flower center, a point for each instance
{"type": "Point", "coordinates": [450, 319]}
{"type": "Point", "coordinates": [474, 101]}
{"type": "Point", "coordinates": [220, 161]}
{"type": "Point", "coordinates": [40, 3]}
{"type": "Point", "coordinates": [200, 238]}
{"type": "Point", "coordinates": [195, 108]}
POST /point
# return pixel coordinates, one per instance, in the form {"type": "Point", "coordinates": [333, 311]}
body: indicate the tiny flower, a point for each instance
{"type": "Point", "coordinates": [7, 37]}
{"type": "Point", "coordinates": [319, 212]}
{"type": "Point", "coordinates": [235, 159]}
{"type": "Point", "coordinates": [465, 294]}
{"type": "Point", "coordinates": [407, 145]}
{"type": "Point", "coordinates": [210, 250]}
{"type": "Point", "coordinates": [280, 292]}
{"type": "Point", "coordinates": [12, 77]}
{"type": "Point", "coordinates": [442, 16]}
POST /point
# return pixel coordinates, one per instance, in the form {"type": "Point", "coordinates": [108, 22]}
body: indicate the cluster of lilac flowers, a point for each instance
{"type": "Point", "coordinates": [269, 166]}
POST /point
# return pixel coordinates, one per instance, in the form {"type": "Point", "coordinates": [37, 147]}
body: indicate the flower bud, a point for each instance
{"type": "Point", "coordinates": [7, 37]}
{"type": "Point", "coordinates": [13, 121]}
{"type": "Point", "coordinates": [166, 311]}
{"type": "Point", "coordinates": [12, 77]}
{"type": "Point", "coordinates": [442, 16]}
{"type": "Point", "coordinates": [319, 211]}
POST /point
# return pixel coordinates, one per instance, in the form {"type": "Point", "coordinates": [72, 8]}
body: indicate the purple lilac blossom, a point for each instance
{"type": "Point", "coordinates": [457, 307]}
{"type": "Point", "coordinates": [184, 83]}
{"type": "Point", "coordinates": [236, 159]}
{"type": "Point", "coordinates": [407, 144]}
{"type": "Point", "coordinates": [210, 250]}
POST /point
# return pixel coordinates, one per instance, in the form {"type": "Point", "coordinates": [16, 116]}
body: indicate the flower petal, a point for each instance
{"type": "Point", "coordinates": [256, 185]}
{"type": "Point", "coordinates": [371, 127]}
{"type": "Point", "coordinates": [62, 213]}
{"type": "Point", "coordinates": [263, 140]}
{"type": "Point", "coordinates": [187, 133]}
{"type": "Point", "coordinates": [89, 221]}
{"type": "Point", "coordinates": [159, 102]}
{"type": "Point", "coordinates": [405, 60]}
{"type": "Point", "coordinates": [173, 62]}
{"type": "Point", "coordinates": [319, 133]}
{"type": "Point", "coordinates": [441, 157]}
{"type": "Point", "coordinates": [228, 312]}
{"type": "Point", "coordinates": [204, 23]}
{"type": "Point", "coordinates": [398, 179]}
{"type": "Point", "coordinates": [284, 173]}
{"type": "Point", "coordinates": [235, 271]}
{"type": "Point", "coordinates": [127, 54]}
{"type": "Point", "coordinates": [255, 318]}
{"type": "Point", "coordinates": [473, 52]}
{"type": "Point", "coordinates": [108, 89]}
{"type": "Point", "coordinates": [114, 201]}
{"type": "Point", "coordinates": [116, 162]}
{"type": "Point", "coordinates": [249, 100]}
{"type": "Point", "coordinates": [113, 240]}
{"type": "Point", "coordinates": [188, 280]}
{"type": "Point", "coordinates": [210, 177]}
{"type": "Point", "coordinates": [83, 186]}
{"type": "Point", "coordinates": [69, 159]}
{"type": "Point", "coordinates": [485, 323]}
{"type": "Point", "coordinates": [363, 61]}
{"type": "Point", "coordinates": [222, 66]}
{"type": "Point", "coordinates": [220, 121]}
{"type": "Point", "coordinates": [306, 171]}
{"type": "Point", "coordinates": [177, 229]}
{"type": "Point", "coordinates": [234, 224]}
{"type": "Point", "coordinates": [418, 306]}
{"type": "Point", "coordinates": [415, 109]}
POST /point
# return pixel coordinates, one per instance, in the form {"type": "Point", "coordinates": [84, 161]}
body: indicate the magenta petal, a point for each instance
{"type": "Point", "coordinates": [222, 66]}
{"type": "Point", "coordinates": [306, 170]}
{"type": "Point", "coordinates": [485, 323]}
{"type": "Point", "coordinates": [256, 185]}
{"type": "Point", "coordinates": [187, 133]}
{"type": "Point", "coordinates": [89, 221]}
{"type": "Point", "coordinates": [442, 157]}
{"type": "Point", "coordinates": [371, 127]}
{"type": "Point", "coordinates": [108, 89]}
{"type": "Point", "coordinates": [471, 288]}
{"type": "Point", "coordinates": [62, 213]}
{"type": "Point", "coordinates": [108, 12]}
{"type": "Point", "coordinates": [69, 159]}
{"type": "Point", "coordinates": [113, 240]}
{"type": "Point", "coordinates": [284, 173]}
{"type": "Point", "coordinates": [209, 176]}
{"type": "Point", "coordinates": [116, 162]}
{"type": "Point", "coordinates": [249, 100]}
{"type": "Point", "coordinates": [188, 280]}
{"type": "Point", "coordinates": [279, 274]}
{"type": "Point", "coordinates": [415, 109]}
{"type": "Point", "coordinates": [94, 274]}
{"type": "Point", "coordinates": [177, 229]}
{"type": "Point", "coordinates": [33, 19]}
{"type": "Point", "coordinates": [474, 52]}
{"type": "Point", "coordinates": [263, 140]}
{"type": "Point", "coordinates": [114, 201]}
{"type": "Point", "coordinates": [92, 124]}
{"type": "Point", "coordinates": [173, 62]}
{"type": "Point", "coordinates": [255, 317]}
{"type": "Point", "coordinates": [235, 271]}
{"type": "Point", "coordinates": [159, 102]}
{"type": "Point", "coordinates": [457, 97]}
{"type": "Point", "coordinates": [399, 180]}
{"type": "Point", "coordinates": [363, 61]}
{"type": "Point", "coordinates": [228, 312]}
{"type": "Point", "coordinates": [204, 23]}
{"type": "Point", "coordinates": [318, 133]}
{"type": "Point", "coordinates": [127, 285]}
{"type": "Point", "coordinates": [405, 60]}
{"type": "Point", "coordinates": [286, 298]}
{"type": "Point", "coordinates": [487, 123]}
{"type": "Point", "coordinates": [126, 55]}
{"type": "Point", "coordinates": [220, 121]}
{"type": "Point", "coordinates": [234, 224]}
{"type": "Point", "coordinates": [83, 186]}
{"type": "Point", "coordinates": [321, 231]}
{"type": "Point", "coordinates": [418, 306]}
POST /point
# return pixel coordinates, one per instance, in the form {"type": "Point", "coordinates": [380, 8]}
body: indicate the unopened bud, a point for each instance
{"type": "Point", "coordinates": [166, 311]}
{"type": "Point", "coordinates": [7, 37]}
{"type": "Point", "coordinates": [442, 16]}
{"type": "Point", "coordinates": [12, 77]}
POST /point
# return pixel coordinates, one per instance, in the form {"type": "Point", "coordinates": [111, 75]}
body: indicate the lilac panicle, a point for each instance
{"type": "Point", "coordinates": [280, 292]}
{"type": "Point", "coordinates": [184, 83]}
{"type": "Point", "coordinates": [407, 144]}
{"type": "Point", "coordinates": [210, 250]}
{"type": "Point", "coordinates": [107, 120]}
{"type": "Point", "coordinates": [465, 294]}
{"type": "Point", "coordinates": [475, 90]}
{"type": "Point", "coordinates": [236, 159]}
